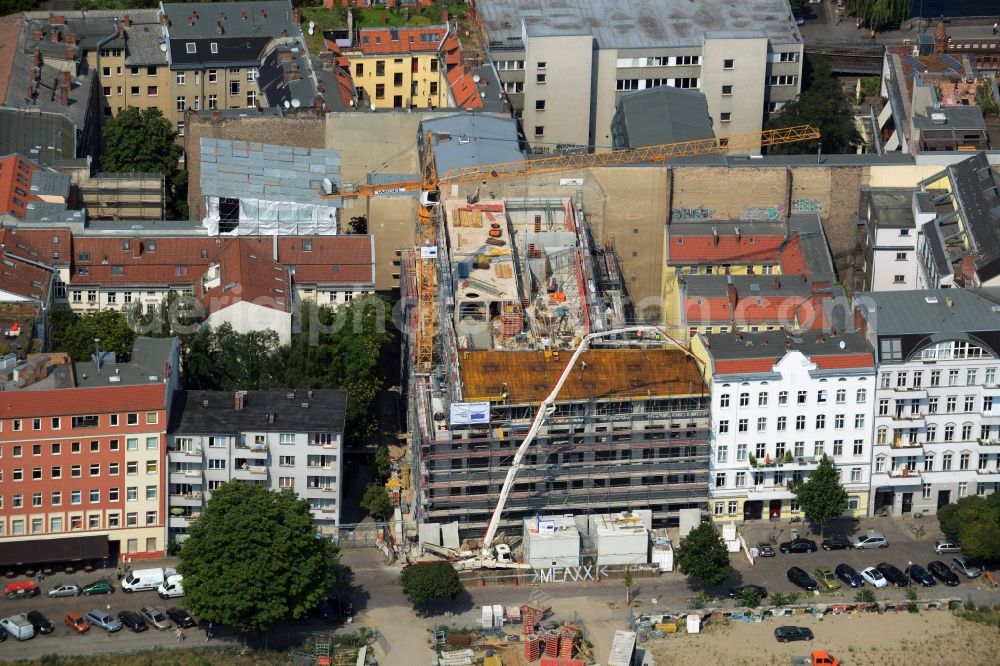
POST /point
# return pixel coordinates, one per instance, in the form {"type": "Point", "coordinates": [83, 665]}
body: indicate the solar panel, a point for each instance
{"type": "Point", "coordinates": [954, 63]}
{"type": "Point", "coordinates": [913, 62]}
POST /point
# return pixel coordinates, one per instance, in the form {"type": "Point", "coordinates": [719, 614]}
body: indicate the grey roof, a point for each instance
{"type": "Point", "coordinates": [50, 183]}
{"type": "Point", "coordinates": [140, 227]}
{"type": "Point", "coordinates": [663, 114]}
{"type": "Point", "coordinates": [812, 239]}
{"type": "Point", "coordinates": [244, 170]}
{"type": "Point", "coordinates": [928, 311]}
{"type": "Point", "coordinates": [282, 62]}
{"type": "Point", "coordinates": [640, 24]}
{"type": "Point", "coordinates": [935, 242]}
{"type": "Point", "coordinates": [41, 136]}
{"type": "Point", "coordinates": [325, 411]}
{"type": "Point", "coordinates": [275, 112]}
{"type": "Point", "coordinates": [727, 228]}
{"type": "Point", "coordinates": [772, 344]}
{"type": "Point", "coordinates": [747, 286]}
{"type": "Point", "coordinates": [150, 358]}
{"type": "Point", "coordinates": [51, 213]}
{"type": "Point", "coordinates": [489, 83]}
{"type": "Point", "coordinates": [893, 207]}
{"type": "Point", "coordinates": [977, 194]}
{"type": "Point", "coordinates": [241, 19]}
{"type": "Point", "coordinates": [957, 118]}
{"type": "Point", "coordinates": [474, 139]}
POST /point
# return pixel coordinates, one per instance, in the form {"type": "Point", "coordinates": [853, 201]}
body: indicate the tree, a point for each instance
{"type": "Point", "coordinates": [376, 501]}
{"type": "Point", "coordinates": [222, 359]}
{"type": "Point", "coordinates": [821, 496]}
{"type": "Point", "coordinates": [179, 315]}
{"type": "Point", "coordinates": [253, 558]}
{"type": "Point", "coordinates": [142, 140]}
{"type": "Point", "coordinates": [703, 556]}
{"type": "Point", "coordinates": [428, 581]}
{"type": "Point", "coordinates": [75, 334]}
{"type": "Point", "coordinates": [823, 104]}
{"type": "Point", "coordinates": [627, 582]}
{"type": "Point", "coordinates": [749, 597]}
{"type": "Point", "coordinates": [879, 14]}
{"type": "Point", "coordinates": [974, 521]}
{"type": "Point", "coordinates": [382, 466]}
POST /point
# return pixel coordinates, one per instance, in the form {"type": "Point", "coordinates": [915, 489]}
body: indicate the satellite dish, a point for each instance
{"type": "Point", "coordinates": [312, 24]}
{"type": "Point", "coordinates": [163, 47]}
{"type": "Point", "coordinates": [483, 95]}
{"type": "Point", "coordinates": [475, 78]}
{"type": "Point", "coordinates": [373, 107]}
{"type": "Point", "coordinates": [352, 102]}
{"type": "Point", "coordinates": [843, 345]}
{"type": "Point", "coordinates": [287, 104]}
{"type": "Point", "coordinates": [296, 103]}
{"type": "Point", "coordinates": [311, 32]}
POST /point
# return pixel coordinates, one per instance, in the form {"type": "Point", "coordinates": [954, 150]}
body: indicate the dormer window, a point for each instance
{"type": "Point", "coordinates": [214, 48]}
{"type": "Point", "coordinates": [191, 47]}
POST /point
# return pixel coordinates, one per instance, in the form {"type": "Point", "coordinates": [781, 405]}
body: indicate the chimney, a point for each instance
{"type": "Point", "coordinates": [284, 33]}
{"type": "Point", "coordinates": [219, 29]}
{"type": "Point", "coordinates": [319, 102]}
{"type": "Point", "coordinates": [222, 16]}
{"type": "Point", "coordinates": [715, 237]}
{"type": "Point", "coordinates": [733, 297]}
{"type": "Point", "coordinates": [164, 21]}
{"type": "Point", "coordinates": [263, 13]}
{"type": "Point", "coordinates": [121, 31]}
{"type": "Point", "coordinates": [64, 95]}
{"type": "Point", "coordinates": [820, 339]}
{"type": "Point", "coordinates": [55, 19]}
{"type": "Point", "coordinates": [216, 115]}
{"type": "Point", "coordinates": [71, 53]}
{"type": "Point", "coordinates": [444, 15]}
{"type": "Point", "coordinates": [777, 283]}
{"type": "Point", "coordinates": [127, 21]}
{"type": "Point", "coordinates": [296, 15]}
{"type": "Point", "coordinates": [31, 93]}
{"type": "Point", "coordinates": [949, 301]}
{"type": "Point", "coordinates": [54, 35]}
{"type": "Point", "coordinates": [38, 34]}
{"type": "Point", "coordinates": [239, 401]}
{"type": "Point", "coordinates": [38, 56]}
{"type": "Point", "coordinates": [243, 15]}
{"type": "Point", "coordinates": [71, 38]}
{"type": "Point", "coordinates": [738, 235]}
{"type": "Point", "coordinates": [67, 79]}
{"type": "Point", "coordinates": [283, 56]}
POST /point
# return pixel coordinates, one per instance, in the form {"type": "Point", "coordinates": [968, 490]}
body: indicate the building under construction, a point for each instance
{"type": "Point", "coordinates": [519, 285]}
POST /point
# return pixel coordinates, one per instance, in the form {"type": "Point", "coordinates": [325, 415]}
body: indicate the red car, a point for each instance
{"type": "Point", "coordinates": [76, 622]}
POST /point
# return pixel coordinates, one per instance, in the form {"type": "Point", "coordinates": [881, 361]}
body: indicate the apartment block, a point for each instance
{"type": "Point", "coordinates": [780, 402]}
{"type": "Point", "coordinates": [83, 456]}
{"type": "Point", "coordinates": [564, 68]}
{"type": "Point", "coordinates": [282, 439]}
{"type": "Point", "coordinates": [937, 433]}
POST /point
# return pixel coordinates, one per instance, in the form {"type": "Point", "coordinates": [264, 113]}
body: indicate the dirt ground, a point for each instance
{"type": "Point", "coordinates": [932, 638]}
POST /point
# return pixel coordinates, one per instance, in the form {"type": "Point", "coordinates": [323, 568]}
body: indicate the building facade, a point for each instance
{"type": "Point", "coordinates": [283, 439]}
{"type": "Point", "coordinates": [779, 404]}
{"type": "Point", "coordinates": [937, 433]}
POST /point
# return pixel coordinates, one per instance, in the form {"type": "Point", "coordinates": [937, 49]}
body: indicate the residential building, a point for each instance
{"type": "Point", "coordinates": [410, 68]}
{"type": "Point", "coordinates": [891, 219]}
{"type": "Point", "coordinates": [779, 403]}
{"type": "Point", "coordinates": [630, 425]}
{"type": "Point", "coordinates": [283, 439]}
{"type": "Point", "coordinates": [49, 138]}
{"type": "Point", "coordinates": [750, 276]}
{"type": "Point", "coordinates": [84, 457]}
{"type": "Point", "coordinates": [660, 115]}
{"type": "Point", "coordinates": [564, 68]}
{"type": "Point", "coordinates": [937, 434]}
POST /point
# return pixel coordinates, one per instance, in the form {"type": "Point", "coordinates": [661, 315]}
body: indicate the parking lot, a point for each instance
{"type": "Point", "coordinates": [904, 547]}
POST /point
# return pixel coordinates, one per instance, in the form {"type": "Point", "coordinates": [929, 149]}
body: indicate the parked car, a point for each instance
{"type": "Point", "coordinates": [765, 550]}
{"type": "Point", "coordinates": [826, 579]}
{"type": "Point", "coordinates": [798, 546]}
{"type": "Point", "coordinates": [737, 592]}
{"type": "Point", "coordinates": [893, 574]}
{"type": "Point", "coordinates": [943, 546]}
{"type": "Point", "coordinates": [837, 543]}
{"type": "Point", "coordinates": [801, 578]}
{"type": "Point", "coordinates": [941, 571]}
{"type": "Point", "coordinates": [101, 586]}
{"type": "Point", "coordinates": [155, 617]}
{"type": "Point", "coordinates": [76, 622]}
{"type": "Point", "coordinates": [961, 564]}
{"type": "Point", "coordinates": [800, 19]}
{"type": "Point", "coordinates": [3, 635]}
{"type": "Point", "coordinates": [181, 617]}
{"type": "Point", "coordinates": [40, 622]}
{"type": "Point", "coordinates": [99, 618]}
{"type": "Point", "coordinates": [65, 590]}
{"type": "Point", "coordinates": [919, 575]}
{"type": "Point", "coordinates": [785, 634]}
{"type": "Point", "coordinates": [18, 626]}
{"type": "Point", "coordinates": [132, 620]}
{"type": "Point", "coordinates": [849, 575]}
{"type": "Point", "coordinates": [871, 540]}
{"type": "Point", "coordinates": [874, 577]}
{"type": "Point", "coordinates": [21, 589]}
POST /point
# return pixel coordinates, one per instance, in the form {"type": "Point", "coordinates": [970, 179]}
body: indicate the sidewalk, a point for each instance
{"type": "Point", "coordinates": [824, 26]}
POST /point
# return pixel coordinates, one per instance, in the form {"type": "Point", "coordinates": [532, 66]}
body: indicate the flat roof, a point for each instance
{"type": "Point", "coordinates": [472, 139]}
{"type": "Point", "coordinates": [664, 114]}
{"type": "Point", "coordinates": [150, 358]}
{"type": "Point", "coordinates": [773, 345]}
{"type": "Point", "coordinates": [273, 410]}
{"type": "Point", "coordinates": [639, 25]}
{"type": "Point", "coordinates": [926, 311]}
{"type": "Point", "coordinates": [529, 376]}
{"type": "Point", "coordinates": [893, 207]}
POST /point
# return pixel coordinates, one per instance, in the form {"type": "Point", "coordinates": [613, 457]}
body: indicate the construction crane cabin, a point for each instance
{"type": "Point", "coordinates": [522, 351]}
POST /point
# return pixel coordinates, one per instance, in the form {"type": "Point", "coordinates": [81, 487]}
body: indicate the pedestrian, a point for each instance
{"type": "Point", "coordinates": [996, 27]}
{"type": "Point", "coordinates": [119, 573]}
{"type": "Point", "coordinates": [208, 632]}
{"type": "Point", "coordinates": [179, 634]}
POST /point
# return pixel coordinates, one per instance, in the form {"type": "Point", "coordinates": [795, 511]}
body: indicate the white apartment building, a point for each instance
{"type": "Point", "coordinates": [891, 220]}
{"type": "Point", "coordinates": [279, 438]}
{"type": "Point", "coordinates": [780, 403]}
{"type": "Point", "coordinates": [937, 433]}
{"type": "Point", "coordinates": [564, 67]}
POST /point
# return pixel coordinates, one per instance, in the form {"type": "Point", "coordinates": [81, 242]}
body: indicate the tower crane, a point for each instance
{"type": "Point", "coordinates": [492, 555]}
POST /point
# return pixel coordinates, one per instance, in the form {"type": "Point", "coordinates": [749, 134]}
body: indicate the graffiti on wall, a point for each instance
{"type": "Point", "coordinates": [691, 214]}
{"type": "Point", "coordinates": [807, 206]}
{"type": "Point", "coordinates": [763, 213]}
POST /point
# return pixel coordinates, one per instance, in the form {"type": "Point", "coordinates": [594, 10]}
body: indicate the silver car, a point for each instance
{"type": "Point", "coordinates": [99, 618]}
{"type": "Point", "coordinates": [942, 546]}
{"type": "Point", "coordinates": [155, 617]}
{"type": "Point", "coordinates": [962, 565]}
{"type": "Point", "coordinates": [65, 590]}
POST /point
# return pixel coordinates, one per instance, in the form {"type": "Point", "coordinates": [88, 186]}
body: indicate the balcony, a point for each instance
{"type": "Point", "coordinates": [191, 455]}
{"type": "Point", "coordinates": [905, 443]}
{"type": "Point", "coordinates": [769, 492]}
{"type": "Point", "coordinates": [918, 420]}
{"type": "Point", "coordinates": [988, 442]}
{"type": "Point", "coordinates": [320, 491]}
{"type": "Point", "coordinates": [258, 449]}
{"type": "Point", "coordinates": [904, 473]}
{"type": "Point", "coordinates": [909, 392]}
{"type": "Point", "coordinates": [250, 473]}
{"type": "Point", "coordinates": [183, 520]}
{"type": "Point", "coordinates": [187, 499]}
{"type": "Point", "coordinates": [989, 472]}
{"type": "Point", "coordinates": [195, 476]}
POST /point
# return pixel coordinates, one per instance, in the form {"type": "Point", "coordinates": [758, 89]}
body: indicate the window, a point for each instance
{"type": "Point", "coordinates": [991, 376]}
{"type": "Point", "coordinates": [970, 403]}
{"type": "Point", "coordinates": [17, 474]}
{"type": "Point", "coordinates": [783, 80]}
{"type": "Point", "coordinates": [859, 447]}
{"type": "Point", "coordinates": [152, 443]}
{"type": "Point", "coordinates": [132, 493]}
{"type": "Point", "coordinates": [113, 468]}
{"type": "Point", "coordinates": [216, 464]}
{"type": "Point", "coordinates": [901, 378]}
{"type": "Point", "coordinates": [95, 495]}
{"type": "Point", "coordinates": [859, 421]}
{"type": "Point", "coordinates": [720, 508]}
{"type": "Point", "coordinates": [743, 425]}
{"type": "Point", "coordinates": [762, 399]}
{"type": "Point", "coordinates": [213, 47]}
{"type": "Point", "coordinates": [286, 481]}
{"type": "Point", "coordinates": [95, 469]}
{"type": "Point", "coordinates": [732, 506]}
{"type": "Point", "coordinates": [725, 116]}
{"type": "Point", "coordinates": [949, 432]}
{"type": "Point", "coordinates": [855, 474]}
{"type": "Point", "coordinates": [151, 466]}
{"type": "Point", "coordinates": [85, 421]}
{"type": "Point", "coordinates": [213, 102]}
{"type": "Point", "coordinates": [802, 396]}
{"type": "Point", "coordinates": [252, 74]}
{"type": "Point", "coordinates": [953, 377]}
{"type": "Point", "coordinates": [132, 444]}
{"type": "Point", "coordinates": [782, 398]}
{"type": "Point", "coordinates": [963, 460]}
{"type": "Point", "coordinates": [782, 423]}
{"type": "Point", "coordinates": [131, 467]}
{"type": "Point", "coordinates": [539, 105]}
{"type": "Point", "coordinates": [918, 379]}
{"type": "Point", "coordinates": [723, 426]}
{"type": "Point", "coordinates": [727, 90]}
{"type": "Point", "coordinates": [800, 422]}
{"type": "Point", "coordinates": [728, 63]}
{"type": "Point", "coordinates": [152, 91]}
{"type": "Point", "coordinates": [799, 449]}
{"type": "Point", "coordinates": [180, 132]}
{"type": "Point", "coordinates": [131, 520]}
{"type": "Point", "coordinates": [724, 400]}
{"type": "Point", "coordinates": [821, 396]}
{"type": "Point", "coordinates": [946, 462]}
{"type": "Point", "coordinates": [722, 454]}
{"type": "Point", "coordinates": [76, 471]}
{"type": "Point", "coordinates": [286, 438]}
{"type": "Point", "coordinates": [234, 88]}
{"type": "Point", "coordinates": [760, 450]}
{"type": "Point", "coordinates": [251, 99]}
{"type": "Point", "coordinates": [741, 479]}
{"type": "Point", "coordinates": [744, 399]}
{"type": "Point", "coordinates": [950, 404]}
{"type": "Point", "coordinates": [935, 378]}
{"type": "Point", "coordinates": [882, 435]}
{"type": "Point", "coordinates": [540, 78]}
{"type": "Point", "coordinates": [150, 493]}
{"type": "Point", "coordinates": [891, 349]}
{"type": "Point", "coordinates": [861, 396]}
{"type": "Point", "coordinates": [539, 130]}
{"type": "Point", "coordinates": [883, 407]}
{"type": "Point", "coordinates": [932, 405]}
{"type": "Point", "coordinates": [820, 421]}
{"type": "Point", "coordinates": [720, 480]}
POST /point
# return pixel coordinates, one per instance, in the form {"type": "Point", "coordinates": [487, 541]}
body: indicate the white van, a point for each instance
{"type": "Point", "coordinates": [18, 626]}
{"type": "Point", "coordinates": [173, 586]}
{"type": "Point", "coordinates": [145, 579]}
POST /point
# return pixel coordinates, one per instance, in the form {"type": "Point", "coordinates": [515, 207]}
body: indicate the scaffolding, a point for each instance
{"type": "Point", "coordinates": [124, 196]}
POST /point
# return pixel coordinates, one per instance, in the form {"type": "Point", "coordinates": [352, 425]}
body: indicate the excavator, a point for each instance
{"type": "Point", "coordinates": [490, 555]}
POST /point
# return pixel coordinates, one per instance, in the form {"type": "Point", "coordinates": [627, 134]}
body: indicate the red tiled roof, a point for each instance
{"type": "Point", "coordinates": [703, 249]}
{"type": "Point", "coordinates": [333, 259]}
{"type": "Point", "coordinates": [838, 361]}
{"type": "Point", "coordinates": [248, 274]}
{"type": "Point", "coordinates": [793, 260]}
{"type": "Point", "coordinates": [21, 278]}
{"type": "Point", "coordinates": [79, 401]}
{"type": "Point", "coordinates": [49, 246]}
{"type": "Point", "coordinates": [761, 309]}
{"type": "Point", "coordinates": [378, 41]}
{"type": "Point", "coordinates": [10, 35]}
{"type": "Point", "coordinates": [464, 88]}
{"type": "Point", "coordinates": [702, 309]}
{"type": "Point", "coordinates": [744, 366]}
{"type": "Point", "coordinates": [15, 173]}
{"type": "Point", "coordinates": [138, 261]}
